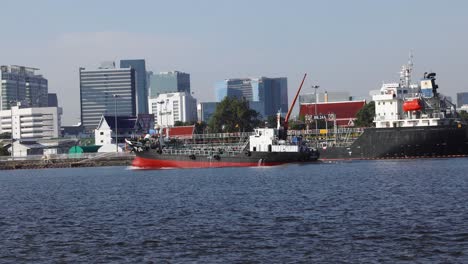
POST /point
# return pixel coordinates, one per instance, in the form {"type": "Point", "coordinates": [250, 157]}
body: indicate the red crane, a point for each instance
{"type": "Point", "coordinates": [286, 120]}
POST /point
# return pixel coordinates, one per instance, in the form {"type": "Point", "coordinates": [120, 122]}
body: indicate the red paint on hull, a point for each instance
{"type": "Point", "coordinates": [159, 164]}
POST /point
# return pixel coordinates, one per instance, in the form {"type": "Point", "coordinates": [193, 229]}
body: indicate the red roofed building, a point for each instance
{"type": "Point", "coordinates": [344, 111]}
{"type": "Point", "coordinates": [180, 132]}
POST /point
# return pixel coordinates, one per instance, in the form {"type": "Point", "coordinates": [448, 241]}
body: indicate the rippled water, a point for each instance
{"type": "Point", "coordinates": [366, 211]}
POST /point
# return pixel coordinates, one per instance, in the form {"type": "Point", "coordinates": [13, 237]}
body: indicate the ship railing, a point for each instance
{"type": "Point", "coordinates": [200, 152]}
{"type": "Point", "coordinates": [331, 132]}
{"type": "Point", "coordinates": [387, 118]}
{"type": "Point", "coordinates": [223, 135]}
{"type": "Point", "coordinates": [211, 146]}
{"type": "Point", "coordinates": [67, 156]}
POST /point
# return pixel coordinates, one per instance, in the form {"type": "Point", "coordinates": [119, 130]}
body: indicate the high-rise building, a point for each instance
{"type": "Point", "coordinates": [169, 108]}
{"type": "Point", "coordinates": [169, 82]}
{"type": "Point", "coordinates": [265, 95]}
{"type": "Point", "coordinates": [22, 84]}
{"type": "Point", "coordinates": [462, 99]}
{"type": "Point", "coordinates": [52, 100]}
{"type": "Point", "coordinates": [205, 110]}
{"type": "Point", "coordinates": [141, 87]}
{"type": "Point", "coordinates": [106, 91]}
{"type": "Point", "coordinates": [230, 88]}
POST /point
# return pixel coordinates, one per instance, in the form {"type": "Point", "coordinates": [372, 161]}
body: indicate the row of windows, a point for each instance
{"type": "Point", "coordinates": [107, 86]}
{"type": "Point", "coordinates": [110, 72]}
{"type": "Point", "coordinates": [175, 110]}
{"type": "Point", "coordinates": [103, 104]}
{"type": "Point", "coordinates": [103, 79]}
{"type": "Point", "coordinates": [100, 97]}
{"type": "Point", "coordinates": [108, 82]}
{"type": "Point", "coordinates": [383, 103]}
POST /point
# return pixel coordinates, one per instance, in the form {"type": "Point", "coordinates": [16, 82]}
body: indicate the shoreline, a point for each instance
{"type": "Point", "coordinates": [66, 163]}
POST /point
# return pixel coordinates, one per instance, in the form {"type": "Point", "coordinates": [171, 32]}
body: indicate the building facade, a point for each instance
{"type": "Point", "coordinates": [106, 91]}
{"type": "Point", "coordinates": [462, 99]}
{"type": "Point", "coordinates": [265, 95]}
{"type": "Point", "coordinates": [169, 108]}
{"type": "Point", "coordinates": [22, 84]}
{"type": "Point", "coordinates": [205, 111]}
{"type": "Point", "coordinates": [169, 82]}
{"type": "Point", "coordinates": [31, 123]}
{"type": "Point", "coordinates": [343, 112]}
{"type": "Point", "coordinates": [52, 100]}
{"type": "Point", "coordinates": [141, 86]}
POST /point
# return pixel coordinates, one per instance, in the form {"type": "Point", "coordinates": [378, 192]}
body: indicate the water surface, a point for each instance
{"type": "Point", "coordinates": [365, 211]}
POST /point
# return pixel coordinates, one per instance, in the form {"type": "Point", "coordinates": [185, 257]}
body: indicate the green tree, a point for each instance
{"type": "Point", "coordinates": [365, 116]}
{"type": "Point", "coordinates": [200, 127]}
{"type": "Point", "coordinates": [5, 135]}
{"type": "Point", "coordinates": [463, 115]}
{"type": "Point", "coordinates": [233, 115]}
{"type": "Point", "coordinates": [180, 123]}
{"type": "Point", "coordinates": [4, 151]}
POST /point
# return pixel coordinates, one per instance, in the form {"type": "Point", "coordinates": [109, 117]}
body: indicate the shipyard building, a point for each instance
{"type": "Point", "coordinates": [332, 106]}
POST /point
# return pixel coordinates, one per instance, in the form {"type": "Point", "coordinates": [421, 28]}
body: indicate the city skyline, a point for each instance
{"type": "Point", "coordinates": [343, 46]}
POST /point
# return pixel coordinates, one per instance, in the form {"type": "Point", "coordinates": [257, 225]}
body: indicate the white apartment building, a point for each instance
{"type": "Point", "coordinates": [31, 123]}
{"type": "Point", "coordinates": [169, 108]}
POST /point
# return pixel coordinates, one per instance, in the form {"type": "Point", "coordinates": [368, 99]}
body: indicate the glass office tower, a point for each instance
{"type": "Point", "coordinates": [21, 84]}
{"type": "Point", "coordinates": [141, 87]}
{"type": "Point", "coordinates": [265, 95]}
{"type": "Point", "coordinates": [101, 90]}
{"type": "Point", "coordinates": [169, 82]}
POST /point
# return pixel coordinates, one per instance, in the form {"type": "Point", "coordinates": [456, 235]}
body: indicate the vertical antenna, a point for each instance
{"type": "Point", "coordinates": [409, 69]}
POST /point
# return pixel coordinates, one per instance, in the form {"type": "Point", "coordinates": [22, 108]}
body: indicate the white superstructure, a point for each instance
{"type": "Point", "coordinates": [409, 105]}
{"type": "Point", "coordinates": [266, 140]}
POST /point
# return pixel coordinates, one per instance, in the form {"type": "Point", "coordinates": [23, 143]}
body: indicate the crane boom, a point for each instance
{"type": "Point", "coordinates": [286, 120]}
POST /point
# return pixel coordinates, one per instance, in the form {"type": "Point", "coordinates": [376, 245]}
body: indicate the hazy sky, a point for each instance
{"type": "Point", "coordinates": [342, 45]}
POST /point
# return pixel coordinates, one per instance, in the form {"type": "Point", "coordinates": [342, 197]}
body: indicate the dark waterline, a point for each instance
{"type": "Point", "coordinates": [356, 212]}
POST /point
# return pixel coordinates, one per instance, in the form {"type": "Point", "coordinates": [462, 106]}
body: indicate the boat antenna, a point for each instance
{"type": "Point", "coordinates": [286, 119]}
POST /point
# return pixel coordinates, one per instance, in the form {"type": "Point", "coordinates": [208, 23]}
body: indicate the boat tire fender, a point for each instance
{"type": "Point", "coordinates": [216, 157]}
{"type": "Point", "coordinates": [248, 153]}
{"type": "Point", "coordinates": [192, 157]}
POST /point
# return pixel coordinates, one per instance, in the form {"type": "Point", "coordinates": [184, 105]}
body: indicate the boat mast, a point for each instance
{"type": "Point", "coordinates": [406, 70]}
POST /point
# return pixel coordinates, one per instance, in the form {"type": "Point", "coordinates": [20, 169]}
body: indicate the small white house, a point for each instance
{"type": "Point", "coordinates": [105, 134]}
